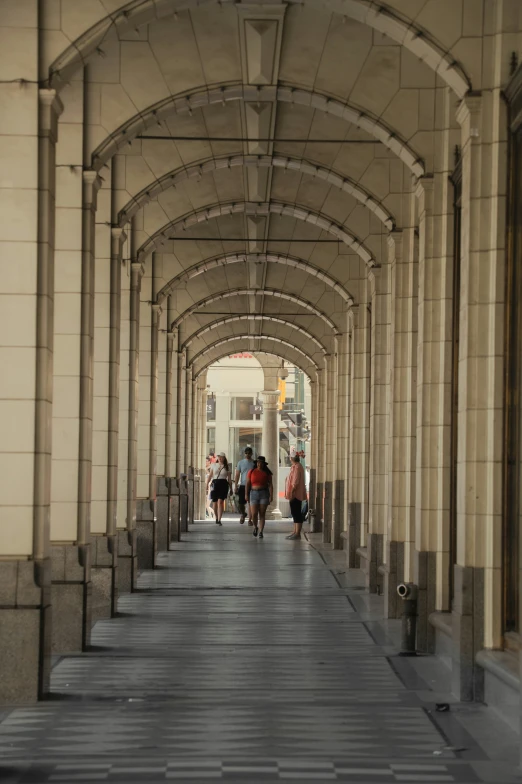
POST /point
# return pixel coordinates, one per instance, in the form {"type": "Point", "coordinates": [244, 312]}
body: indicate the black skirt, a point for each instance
{"type": "Point", "coordinates": [219, 490]}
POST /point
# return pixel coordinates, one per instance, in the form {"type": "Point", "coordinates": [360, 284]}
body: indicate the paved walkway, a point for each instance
{"type": "Point", "coordinates": [247, 661]}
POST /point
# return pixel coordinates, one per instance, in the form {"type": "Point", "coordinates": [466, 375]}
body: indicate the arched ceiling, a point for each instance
{"type": "Point", "coordinates": [257, 215]}
{"type": "Point", "coordinates": [300, 304]}
{"type": "Point", "coordinates": [223, 324]}
{"type": "Point", "coordinates": [259, 149]}
{"type": "Point", "coordinates": [417, 31]}
{"type": "Point", "coordinates": [288, 164]}
{"type": "Point", "coordinates": [266, 345]}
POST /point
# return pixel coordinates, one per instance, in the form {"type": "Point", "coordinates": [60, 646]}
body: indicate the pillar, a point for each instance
{"type": "Point", "coordinates": [105, 410]}
{"type": "Point", "coordinates": [127, 475]}
{"type": "Point", "coordinates": [28, 134]}
{"type": "Point", "coordinates": [402, 420]}
{"type": "Point", "coordinates": [476, 618]}
{"type": "Point", "coordinates": [321, 450]}
{"type": "Point", "coordinates": [71, 482]}
{"type": "Point", "coordinates": [270, 442]}
{"type": "Point", "coordinates": [359, 430]}
{"type": "Point", "coordinates": [331, 447]}
{"type": "Point", "coordinates": [342, 433]}
{"type": "Point", "coordinates": [312, 487]}
{"type": "Point", "coordinates": [379, 280]}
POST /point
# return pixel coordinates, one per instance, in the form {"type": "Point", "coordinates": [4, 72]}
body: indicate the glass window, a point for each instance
{"type": "Point", "coordinates": [211, 439]}
{"type": "Point", "coordinates": [240, 407]}
{"type": "Point", "coordinates": [240, 438]}
{"type": "Point", "coordinates": [211, 408]}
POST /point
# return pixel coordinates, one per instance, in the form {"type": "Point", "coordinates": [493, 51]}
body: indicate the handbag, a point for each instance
{"type": "Point", "coordinates": [213, 483]}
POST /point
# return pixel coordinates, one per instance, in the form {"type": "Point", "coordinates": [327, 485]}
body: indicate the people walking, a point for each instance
{"type": "Point", "coordinates": [295, 492]}
{"type": "Point", "coordinates": [243, 467]}
{"type": "Point", "coordinates": [259, 493]}
{"type": "Point", "coordinates": [219, 480]}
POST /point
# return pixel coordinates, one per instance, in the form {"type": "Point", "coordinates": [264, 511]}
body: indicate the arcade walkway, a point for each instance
{"type": "Point", "coordinates": [249, 661]}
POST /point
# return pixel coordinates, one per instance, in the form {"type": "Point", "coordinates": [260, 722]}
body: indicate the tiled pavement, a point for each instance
{"type": "Point", "coordinates": [240, 660]}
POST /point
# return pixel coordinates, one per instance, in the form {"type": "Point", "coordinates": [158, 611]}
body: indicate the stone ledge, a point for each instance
{"type": "Point", "coordinates": [443, 621]}
{"type": "Point", "coordinates": [502, 665]}
{"type": "Point", "coordinates": [363, 553]}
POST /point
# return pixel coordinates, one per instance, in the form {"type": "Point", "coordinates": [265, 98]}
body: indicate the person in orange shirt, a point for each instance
{"type": "Point", "coordinates": [259, 493]}
{"type": "Point", "coordinates": [295, 492]}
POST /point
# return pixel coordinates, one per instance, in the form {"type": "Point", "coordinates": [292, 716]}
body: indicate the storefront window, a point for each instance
{"type": "Point", "coordinates": [240, 438]}
{"type": "Point", "coordinates": [241, 408]}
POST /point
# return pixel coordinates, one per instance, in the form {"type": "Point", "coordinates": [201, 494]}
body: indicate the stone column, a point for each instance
{"type": "Point", "coordinates": [476, 618]}
{"type": "Point", "coordinates": [127, 549]}
{"type": "Point", "coordinates": [161, 477]}
{"type": "Point", "coordinates": [270, 445]}
{"type": "Point", "coordinates": [312, 488]}
{"type": "Point", "coordinates": [28, 137]}
{"type": "Point", "coordinates": [402, 420]}
{"type": "Point", "coordinates": [321, 450]}
{"type": "Point", "coordinates": [72, 434]}
{"type": "Point", "coordinates": [331, 447]}
{"type": "Point", "coordinates": [359, 430]}
{"type": "Point", "coordinates": [342, 431]}
{"type": "Point", "coordinates": [182, 443]}
{"type": "Point", "coordinates": [105, 412]}
{"type": "Point", "coordinates": [379, 280]}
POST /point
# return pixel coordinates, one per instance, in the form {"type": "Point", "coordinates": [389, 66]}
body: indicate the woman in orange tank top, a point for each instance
{"type": "Point", "coordinates": [259, 493]}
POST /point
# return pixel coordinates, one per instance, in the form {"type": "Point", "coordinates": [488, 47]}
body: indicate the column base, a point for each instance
{"type": "Point", "coordinates": [127, 561]}
{"type": "Point", "coordinates": [375, 551]}
{"type": "Point", "coordinates": [25, 631]}
{"type": "Point", "coordinates": [183, 504]}
{"type": "Point", "coordinates": [273, 514]}
{"type": "Point", "coordinates": [393, 576]}
{"type": "Point", "coordinates": [71, 596]}
{"type": "Point", "coordinates": [467, 678]}
{"type": "Point", "coordinates": [338, 515]}
{"type": "Point", "coordinates": [319, 509]}
{"type": "Point", "coordinates": [354, 535]}
{"type": "Point", "coordinates": [328, 512]}
{"type": "Point", "coordinates": [191, 485]}
{"type": "Point", "coordinates": [146, 534]}
{"type": "Point", "coordinates": [162, 515]}
{"type": "Point", "coordinates": [174, 519]}
{"type": "Point", "coordinates": [104, 577]}
{"type": "Point", "coordinates": [425, 571]}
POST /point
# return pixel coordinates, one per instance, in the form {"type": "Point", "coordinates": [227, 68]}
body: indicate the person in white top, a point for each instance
{"type": "Point", "coordinates": [220, 475]}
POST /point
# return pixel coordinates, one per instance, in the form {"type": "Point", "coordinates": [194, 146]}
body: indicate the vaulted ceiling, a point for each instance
{"type": "Point", "coordinates": [261, 151]}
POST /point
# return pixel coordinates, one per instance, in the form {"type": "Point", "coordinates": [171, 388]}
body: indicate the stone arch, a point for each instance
{"type": "Point", "coordinates": [234, 258]}
{"type": "Point", "coordinates": [256, 161]}
{"type": "Point", "coordinates": [138, 13]}
{"type": "Point", "coordinates": [309, 372]}
{"type": "Point", "coordinates": [258, 210]}
{"type": "Point", "coordinates": [270, 338]}
{"type": "Point", "coordinates": [266, 292]}
{"type": "Point", "coordinates": [253, 317]}
{"type": "Point", "coordinates": [196, 99]}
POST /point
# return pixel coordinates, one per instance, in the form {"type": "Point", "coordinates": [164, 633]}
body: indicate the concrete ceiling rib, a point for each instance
{"type": "Point", "coordinates": [277, 347]}
{"type": "Point", "coordinates": [236, 258]}
{"type": "Point", "coordinates": [220, 95]}
{"type": "Point", "coordinates": [138, 13]}
{"type": "Point", "coordinates": [304, 214]}
{"type": "Point", "coordinates": [307, 306]}
{"type": "Point", "coordinates": [258, 317]}
{"type": "Point", "coordinates": [184, 173]}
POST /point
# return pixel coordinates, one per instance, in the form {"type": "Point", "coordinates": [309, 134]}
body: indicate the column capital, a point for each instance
{"type": "Point", "coordinates": [470, 107]}
{"type": "Point", "coordinates": [50, 108]}
{"type": "Point", "coordinates": [270, 398]}
{"type": "Point", "coordinates": [91, 185]}
{"type": "Point", "coordinates": [394, 241]}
